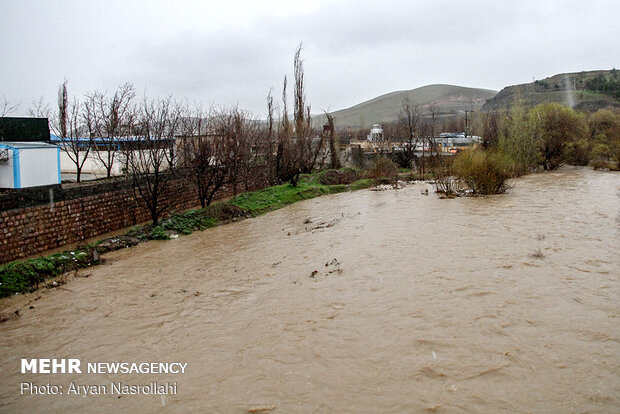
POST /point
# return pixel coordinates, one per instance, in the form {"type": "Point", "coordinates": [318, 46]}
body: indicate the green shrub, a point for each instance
{"type": "Point", "coordinates": [159, 233]}
{"type": "Point", "coordinates": [557, 125]}
{"type": "Point", "coordinates": [577, 152]}
{"type": "Point", "coordinates": [483, 172]}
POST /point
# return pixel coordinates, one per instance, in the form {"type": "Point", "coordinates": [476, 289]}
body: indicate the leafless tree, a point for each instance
{"type": "Point", "coordinates": [303, 131]}
{"type": "Point", "coordinates": [202, 153]}
{"type": "Point", "coordinates": [116, 114]}
{"type": "Point", "coordinates": [297, 155]}
{"type": "Point", "coordinates": [7, 107]}
{"type": "Point", "coordinates": [243, 144]}
{"type": "Point", "coordinates": [270, 141]}
{"type": "Point", "coordinates": [39, 109]}
{"type": "Point", "coordinates": [71, 123]}
{"type": "Point", "coordinates": [330, 130]}
{"type": "Point", "coordinates": [151, 157]}
{"type": "Point", "coordinates": [433, 113]}
{"type": "Point", "coordinates": [409, 123]}
{"type": "Point", "coordinates": [284, 169]}
{"type": "Point", "coordinates": [63, 109]}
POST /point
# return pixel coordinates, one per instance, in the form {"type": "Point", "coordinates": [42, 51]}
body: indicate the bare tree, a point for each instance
{"type": "Point", "coordinates": [300, 156]}
{"type": "Point", "coordinates": [202, 154]}
{"type": "Point", "coordinates": [283, 165]}
{"type": "Point", "coordinates": [271, 144]}
{"type": "Point", "coordinates": [433, 113]}
{"type": "Point", "coordinates": [151, 158]}
{"type": "Point", "coordinates": [7, 107]}
{"type": "Point", "coordinates": [333, 142]}
{"type": "Point", "coordinates": [63, 108]}
{"type": "Point", "coordinates": [238, 133]}
{"type": "Point", "coordinates": [409, 122]}
{"type": "Point", "coordinates": [71, 123]}
{"type": "Point", "coordinates": [39, 109]}
{"type": "Point", "coordinates": [116, 114]}
{"type": "Point", "coordinates": [302, 122]}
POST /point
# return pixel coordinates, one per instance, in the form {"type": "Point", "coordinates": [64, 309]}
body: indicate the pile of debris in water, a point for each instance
{"type": "Point", "coordinates": [396, 186]}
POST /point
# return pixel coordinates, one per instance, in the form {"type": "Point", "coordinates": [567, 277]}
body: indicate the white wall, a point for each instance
{"type": "Point", "coordinates": [92, 165]}
{"type": "Point", "coordinates": [38, 166]}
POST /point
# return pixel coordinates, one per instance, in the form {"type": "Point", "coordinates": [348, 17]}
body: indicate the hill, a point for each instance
{"type": "Point", "coordinates": [583, 91]}
{"type": "Point", "coordinates": [449, 99]}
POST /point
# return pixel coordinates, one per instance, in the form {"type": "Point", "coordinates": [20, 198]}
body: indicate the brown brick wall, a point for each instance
{"type": "Point", "coordinates": [35, 229]}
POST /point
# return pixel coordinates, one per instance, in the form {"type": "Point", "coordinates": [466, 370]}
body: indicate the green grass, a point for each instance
{"type": "Point", "coordinates": [184, 223]}
{"type": "Point", "coordinates": [26, 275]}
{"type": "Point", "coordinates": [278, 196]}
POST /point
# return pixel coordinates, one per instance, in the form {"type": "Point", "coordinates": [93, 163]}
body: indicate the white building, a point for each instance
{"type": "Point", "coordinates": [376, 133]}
{"type": "Point", "coordinates": [29, 164]}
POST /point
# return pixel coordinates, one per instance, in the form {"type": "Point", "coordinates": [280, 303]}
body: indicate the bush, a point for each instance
{"type": "Point", "coordinates": [606, 155]}
{"type": "Point", "coordinates": [519, 140]}
{"type": "Point", "coordinates": [483, 172]}
{"type": "Point", "coordinates": [577, 152]}
{"type": "Point", "coordinates": [383, 171]}
{"type": "Point", "coordinates": [342, 176]}
{"type": "Point", "coordinates": [557, 125]}
{"type": "Point", "coordinates": [605, 132]}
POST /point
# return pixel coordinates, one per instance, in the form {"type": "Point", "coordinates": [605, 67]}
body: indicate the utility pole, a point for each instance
{"type": "Point", "coordinates": [467, 122]}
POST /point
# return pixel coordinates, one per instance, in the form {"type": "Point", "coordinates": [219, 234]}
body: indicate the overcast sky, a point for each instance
{"type": "Point", "coordinates": [230, 52]}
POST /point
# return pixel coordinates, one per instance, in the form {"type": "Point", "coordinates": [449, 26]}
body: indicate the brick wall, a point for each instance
{"type": "Point", "coordinates": [79, 213]}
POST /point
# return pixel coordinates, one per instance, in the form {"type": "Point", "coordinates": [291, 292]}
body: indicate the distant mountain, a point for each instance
{"type": "Point", "coordinates": [583, 90]}
{"type": "Point", "coordinates": [449, 99]}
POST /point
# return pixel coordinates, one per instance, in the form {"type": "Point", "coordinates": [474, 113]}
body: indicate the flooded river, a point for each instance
{"type": "Point", "coordinates": [360, 302]}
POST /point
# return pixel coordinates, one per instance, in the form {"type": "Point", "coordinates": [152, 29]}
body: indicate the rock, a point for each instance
{"type": "Point", "coordinates": [116, 243]}
{"type": "Point", "coordinates": [9, 316]}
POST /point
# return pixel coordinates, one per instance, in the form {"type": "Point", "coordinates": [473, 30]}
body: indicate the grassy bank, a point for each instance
{"type": "Point", "coordinates": [27, 275]}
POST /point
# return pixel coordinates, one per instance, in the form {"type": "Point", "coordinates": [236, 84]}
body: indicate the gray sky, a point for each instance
{"type": "Point", "coordinates": [229, 52]}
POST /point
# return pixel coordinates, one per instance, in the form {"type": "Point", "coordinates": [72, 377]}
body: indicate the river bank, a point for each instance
{"type": "Point", "coordinates": [27, 275]}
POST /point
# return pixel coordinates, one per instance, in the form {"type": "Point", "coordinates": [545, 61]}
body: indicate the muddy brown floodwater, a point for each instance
{"type": "Point", "coordinates": [508, 303]}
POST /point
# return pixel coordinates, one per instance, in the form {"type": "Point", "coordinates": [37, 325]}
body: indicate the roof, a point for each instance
{"type": "Point", "coordinates": [99, 140]}
{"type": "Point", "coordinates": [24, 129]}
{"type": "Point", "coordinates": [25, 145]}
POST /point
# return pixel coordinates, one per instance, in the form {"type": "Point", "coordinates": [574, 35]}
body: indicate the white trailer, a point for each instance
{"type": "Point", "coordinates": [29, 164]}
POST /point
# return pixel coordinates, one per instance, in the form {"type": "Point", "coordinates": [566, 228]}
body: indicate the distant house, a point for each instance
{"type": "Point", "coordinates": [29, 164]}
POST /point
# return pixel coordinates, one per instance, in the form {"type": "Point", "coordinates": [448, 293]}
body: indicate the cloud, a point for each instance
{"type": "Point", "coordinates": [234, 52]}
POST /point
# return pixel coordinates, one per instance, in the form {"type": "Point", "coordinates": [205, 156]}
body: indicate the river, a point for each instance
{"type": "Point", "coordinates": [390, 301]}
